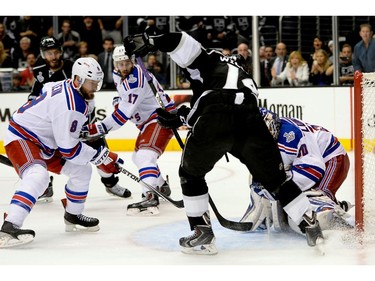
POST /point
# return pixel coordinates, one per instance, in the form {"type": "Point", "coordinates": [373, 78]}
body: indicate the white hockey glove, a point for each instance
{"type": "Point", "coordinates": [92, 132]}
{"type": "Point", "coordinates": [107, 161]}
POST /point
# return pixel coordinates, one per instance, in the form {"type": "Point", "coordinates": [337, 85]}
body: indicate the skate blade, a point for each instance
{"type": "Point", "coordinates": [8, 241]}
{"type": "Point", "coordinates": [150, 211]}
{"type": "Point", "coordinates": [319, 247]}
{"type": "Point", "coordinates": [44, 200]}
{"type": "Point", "coordinates": [208, 249]}
{"type": "Point", "coordinates": [78, 228]}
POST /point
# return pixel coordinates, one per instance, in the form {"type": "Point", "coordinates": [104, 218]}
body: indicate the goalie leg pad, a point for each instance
{"type": "Point", "coordinates": [259, 209]}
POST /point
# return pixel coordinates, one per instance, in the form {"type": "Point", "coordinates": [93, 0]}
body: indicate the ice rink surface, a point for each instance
{"type": "Point", "coordinates": [128, 244]}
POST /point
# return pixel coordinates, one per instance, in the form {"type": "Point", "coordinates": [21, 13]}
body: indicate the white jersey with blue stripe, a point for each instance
{"type": "Point", "coordinates": [137, 102]}
{"type": "Point", "coordinates": [305, 149]}
{"type": "Point", "coordinates": [53, 121]}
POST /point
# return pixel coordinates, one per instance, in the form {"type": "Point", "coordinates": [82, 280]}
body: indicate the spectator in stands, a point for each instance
{"type": "Point", "coordinates": [16, 82]}
{"type": "Point", "coordinates": [245, 52]}
{"type": "Point", "coordinates": [111, 26]}
{"type": "Point", "coordinates": [218, 33]}
{"type": "Point", "coordinates": [30, 27]}
{"type": "Point", "coordinates": [265, 69]}
{"type": "Point", "coordinates": [20, 53]}
{"type": "Point", "coordinates": [5, 60]}
{"type": "Point", "coordinates": [91, 33]}
{"type": "Point", "coordinates": [11, 24]}
{"type": "Point", "coordinates": [226, 52]}
{"type": "Point", "coordinates": [27, 74]}
{"type": "Point", "coordinates": [278, 63]}
{"type": "Point", "coordinates": [83, 51]}
{"type": "Point", "coordinates": [106, 63]}
{"type": "Point", "coordinates": [69, 40]}
{"type": "Point", "coordinates": [243, 28]}
{"type": "Point", "coordinates": [296, 71]}
{"type": "Point", "coordinates": [194, 26]}
{"type": "Point", "coordinates": [262, 53]}
{"type": "Point", "coordinates": [346, 69]}
{"type": "Point", "coordinates": [7, 41]}
{"type": "Point", "coordinates": [157, 24]}
{"type": "Point", "coordinates": [330, 53]}
{"type": "Point", "coordinates": [318, 44]}
{"type": "Point", "coordinates": [318, 76]}
{"type": "Point", "coordinates": [364, 51]}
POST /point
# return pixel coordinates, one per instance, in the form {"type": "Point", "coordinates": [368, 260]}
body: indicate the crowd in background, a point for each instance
{"type": "Point", "coordinates": [97, 37]}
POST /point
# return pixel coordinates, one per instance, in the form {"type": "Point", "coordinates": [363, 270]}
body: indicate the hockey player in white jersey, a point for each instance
{"type": "Point", "coordinates": [318, 164]}
{"type": "Point", "coordinates": [43, 135]}
{"type": "Point", "coordinates": [136, 103]}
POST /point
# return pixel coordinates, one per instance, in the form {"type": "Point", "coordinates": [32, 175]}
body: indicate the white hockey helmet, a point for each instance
{"type": "Point", "coordinates": [88, 68]}
{"type": "Point", "coordinates": [119, 54]}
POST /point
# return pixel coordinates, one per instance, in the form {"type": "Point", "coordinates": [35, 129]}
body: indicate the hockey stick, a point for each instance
{"type": "Point", "coordinates": [238, 226]}
{"type": "Point", "coordinates": [233, 225]}
{"type": "Point", "coordinates": [178, 204]}
{"type": "Point", "coordinates": [5, 160]}
{"type": "Point", "coordinates": [157, 96]}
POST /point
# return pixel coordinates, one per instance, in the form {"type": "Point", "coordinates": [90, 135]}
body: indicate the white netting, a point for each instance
{"type": "Point", "coordinates": [368, 156]}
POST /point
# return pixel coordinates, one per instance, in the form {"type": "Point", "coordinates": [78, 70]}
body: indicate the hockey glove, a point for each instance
{"type": "Point", "coordinates": [139, 45]}
{"type": "Point", "coordinates": [172, 120]}
{"type": "Point", "coordinates": [115, 102]}
{"type": "Point", "coordinates": [93, 131]}
{"type": "Point", "coordinates": [107, 161]}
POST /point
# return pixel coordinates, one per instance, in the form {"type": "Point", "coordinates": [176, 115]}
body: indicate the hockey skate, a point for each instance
{"type": "Point", "coordinates": [165, 189]}
{"type": "Point", "coordinates": [148, 206]}
{"type": "Point", "coordinates": [311, 227]}
{"type": "Point", "coordinates": [201, 242]}
{"type": "Point", "coordinates": [119, 191]}
{"type": "Point", "coordinates": [46, 197]}
{"type": "Point", "coordinates": [80, 223]}
{"type": "Point", "coordinates": [112, 187]}
{"type": "Point", "coordinates": [12, 236]}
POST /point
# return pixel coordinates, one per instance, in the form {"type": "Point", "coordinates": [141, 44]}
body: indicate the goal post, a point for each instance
{"type": "Point", "coordinates": [364, 152]}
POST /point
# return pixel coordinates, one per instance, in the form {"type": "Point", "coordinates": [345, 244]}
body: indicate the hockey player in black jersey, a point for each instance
{"type": "Point", "coordinates": [51, 67]}
{"type": "Point", "coordinates": [224, 117]}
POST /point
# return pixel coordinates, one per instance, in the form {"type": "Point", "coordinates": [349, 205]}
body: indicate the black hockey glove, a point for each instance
{"type": "Point", "coordinates": [172, 120]}
{"type": "Point", "coordinates": [139, 44]}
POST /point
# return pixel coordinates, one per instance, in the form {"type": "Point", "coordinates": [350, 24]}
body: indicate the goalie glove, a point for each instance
{"type": "Point", "coordinates": [93, 131]}
{"type": "Point", "coordinates": [107, 161]}
{"type": "Point", "coordinates": [139, 45]}
{"type": "Point", "coordinates": [174, 119]}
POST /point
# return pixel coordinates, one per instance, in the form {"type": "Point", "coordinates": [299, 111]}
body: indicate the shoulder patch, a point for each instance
{"type": "Point", "coordinates": [132, 79]}
{"type": "Point", "coordinates": [40, 77]}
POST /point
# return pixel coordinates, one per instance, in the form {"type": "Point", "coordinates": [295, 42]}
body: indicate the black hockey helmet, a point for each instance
{"type": "Point", "coordinates": [47, 43]}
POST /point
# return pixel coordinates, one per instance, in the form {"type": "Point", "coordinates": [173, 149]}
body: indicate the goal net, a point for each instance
{"type": "Point", "coordinates": [364, 153]}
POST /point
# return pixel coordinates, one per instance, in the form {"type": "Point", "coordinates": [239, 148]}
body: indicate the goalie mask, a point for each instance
{"type": "Point", "coordinates": [272, 121]}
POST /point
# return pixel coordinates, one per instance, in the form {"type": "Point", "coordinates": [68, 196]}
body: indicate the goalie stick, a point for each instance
{"type": "Point", "coordinates": [233, 225]}
{"type": "Point", "coordinates": [5, 160]}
